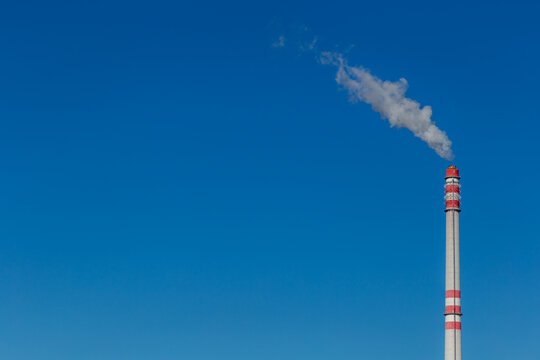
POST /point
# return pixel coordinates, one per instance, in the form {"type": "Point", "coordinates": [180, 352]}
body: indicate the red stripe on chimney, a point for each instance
{"type": "Point", "coordinates": [454, 325]}
{"type": "Point", "coordinates": [452, 309]}
{"type": "Point", "coordinates": [453, 293]}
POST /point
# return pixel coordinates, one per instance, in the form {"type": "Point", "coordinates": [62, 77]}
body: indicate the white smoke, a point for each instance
{"type": "Point", "coordinates": [388, 99]}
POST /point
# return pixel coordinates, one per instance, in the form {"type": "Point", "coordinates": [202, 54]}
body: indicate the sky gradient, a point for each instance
{"type": "Point", "coordinates": [176, 187]}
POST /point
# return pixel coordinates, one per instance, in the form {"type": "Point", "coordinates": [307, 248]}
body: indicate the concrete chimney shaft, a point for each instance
{"type": "Point", "coordinates": [452, 313]}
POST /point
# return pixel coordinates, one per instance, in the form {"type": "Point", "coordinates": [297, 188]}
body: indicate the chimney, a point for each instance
{"type": "Point", "coordinates": [452, 313]}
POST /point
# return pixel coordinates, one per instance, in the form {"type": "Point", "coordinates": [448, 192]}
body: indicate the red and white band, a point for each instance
{"type": "Point", "coordinates": [453, 302]}
{"type": "Point", "coordinates": [452, 193]}
{"type": "Point", "coordinates": [452, 319]}
{"type": "Point", "coordinates": [452, 322]}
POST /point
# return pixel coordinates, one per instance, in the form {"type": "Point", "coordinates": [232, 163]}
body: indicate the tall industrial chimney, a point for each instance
{"type": "Point", "coordinates": [452, 313]}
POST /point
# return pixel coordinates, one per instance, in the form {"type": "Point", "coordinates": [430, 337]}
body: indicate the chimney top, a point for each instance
{"type": "Point", "coordinates": [452, 172]}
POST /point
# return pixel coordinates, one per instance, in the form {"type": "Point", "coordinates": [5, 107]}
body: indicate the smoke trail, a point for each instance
{"type": "Point", "coordinates": [388, 99]}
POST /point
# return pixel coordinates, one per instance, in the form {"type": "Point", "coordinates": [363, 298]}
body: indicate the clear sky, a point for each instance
{"type": "Point", "coordinates": [175, 187]}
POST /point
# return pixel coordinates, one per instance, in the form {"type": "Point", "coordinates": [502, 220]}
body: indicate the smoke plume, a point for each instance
{"type": "Point", "coordinates": [388, 99]}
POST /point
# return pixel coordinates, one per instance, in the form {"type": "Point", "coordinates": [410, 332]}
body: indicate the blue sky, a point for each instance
{"type": "Point", "coordinates": [177, 188]}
